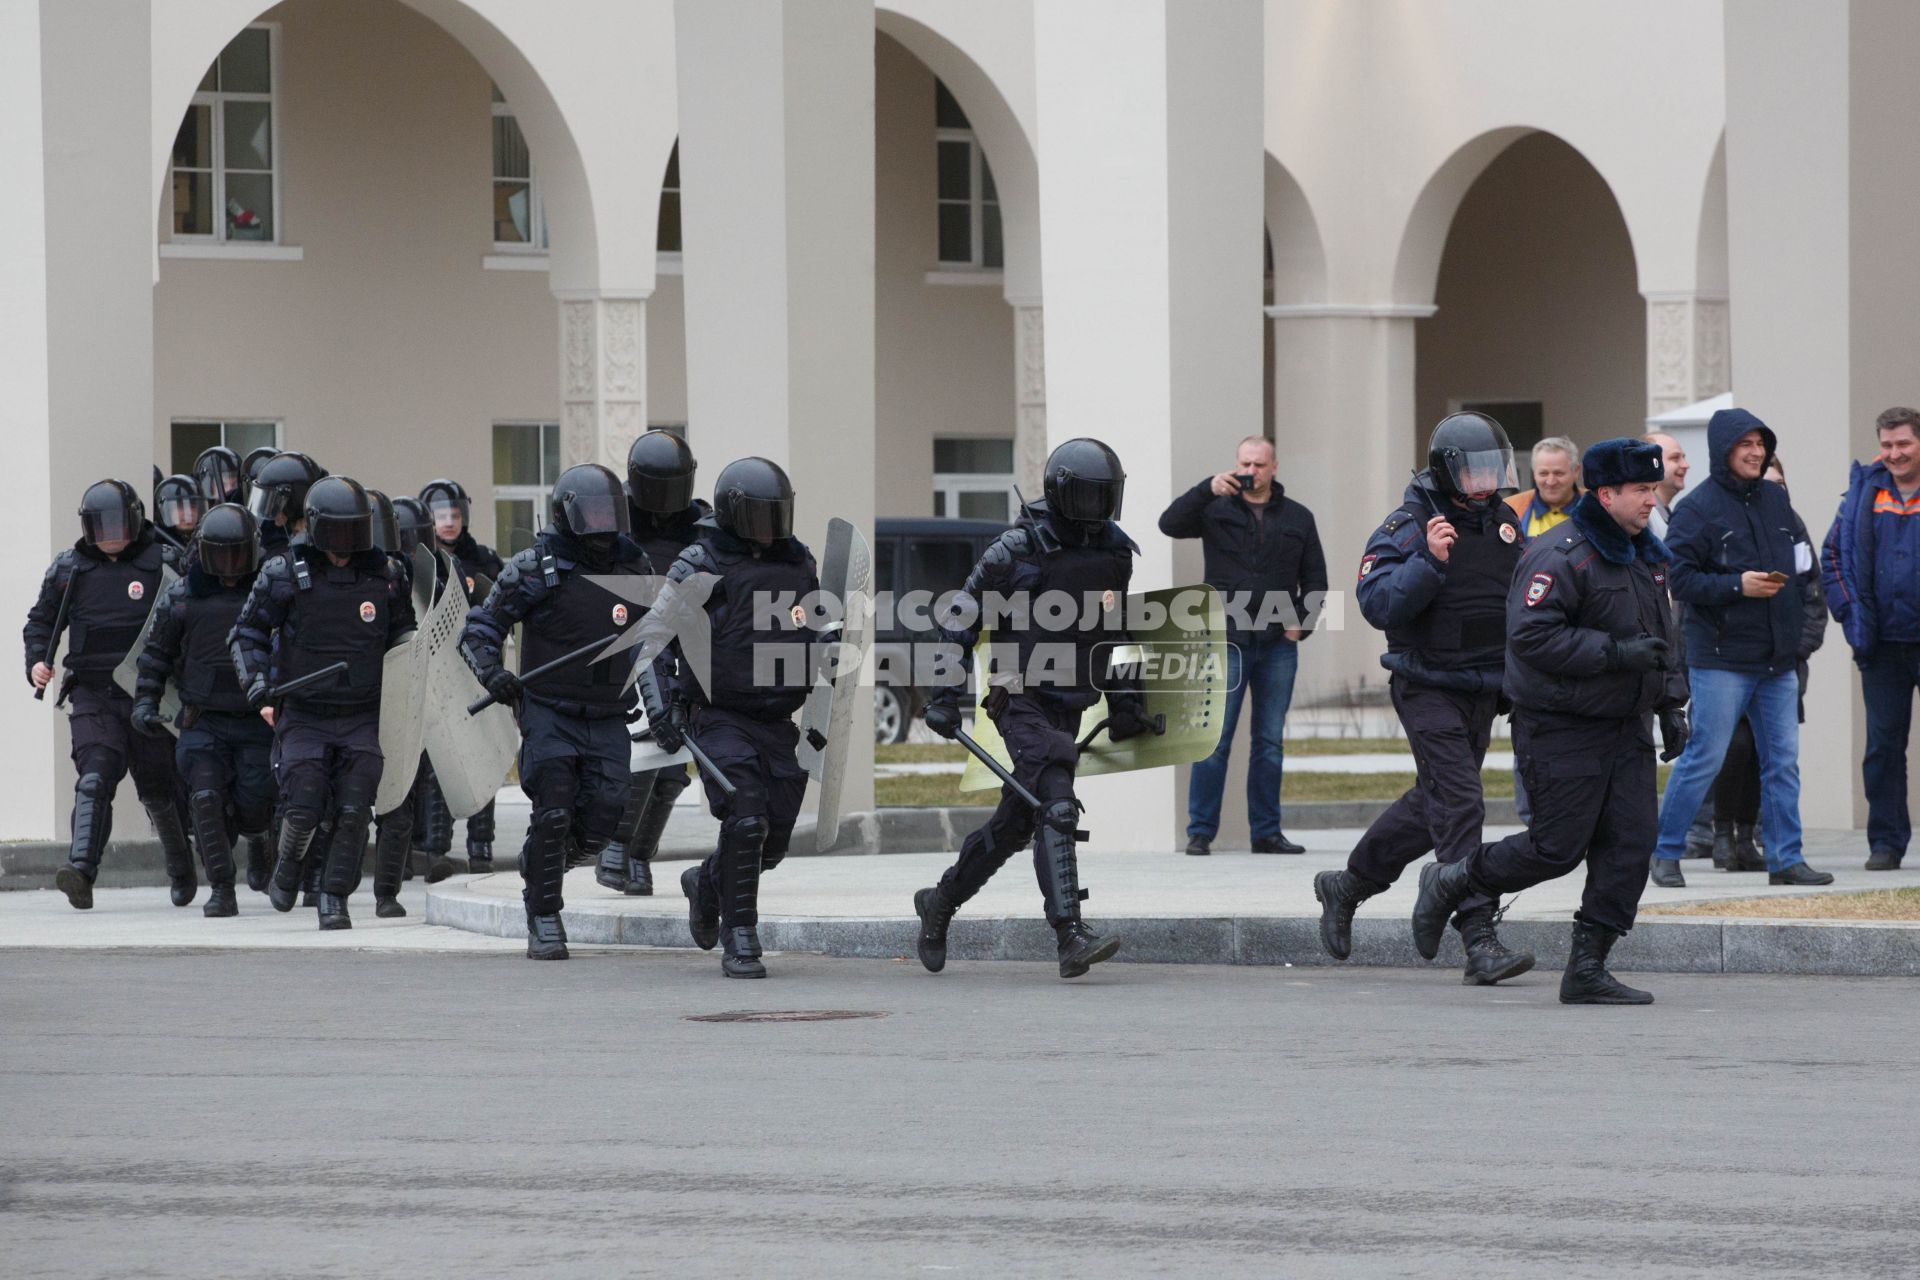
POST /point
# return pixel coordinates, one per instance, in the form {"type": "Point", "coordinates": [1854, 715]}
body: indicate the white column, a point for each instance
{"type": "Point", "coordinates": [776, 161]}
{"type": "Point", "coordinates": [1151, 189]}
{"type": "Point", "coordinates": [603, 376]}
{"type": "Point", "coordinates": [1687, 349]}
{"type": "Point", "coordinates": [1030, 395]}
{"type": "Point", "coordinates": [1823, 171]}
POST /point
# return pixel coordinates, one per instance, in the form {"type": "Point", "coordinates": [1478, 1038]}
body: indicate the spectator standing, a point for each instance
{"type": "Point", "coordinates": [1674, 458]}
{"type": "Point", "coordinates": [1263, 554]}
{"type": "Point", "coordinates": [1871, 567]}
{"type": "Point", "coordinates": [1555, 462]}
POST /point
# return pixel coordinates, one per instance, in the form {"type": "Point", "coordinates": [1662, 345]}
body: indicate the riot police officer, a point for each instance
{"type": "Point", "coordinates": [1067, 542]}
{"type": "Point", "coordinates": [573, 722]}
{"type": "Point", "coordinates": [478, 566]}
{"type": "Point", "coordinates": [393, 830]}
{"type": "Point", "coordinates": [220, 475]}
{"type": "Point", "coordinates": [666, 518]}
{"type": "Point", "coordinates": [1591, 658]}
{"type": "Point", "coordinates": [178, 506]}
{"type": "Point", "coordinates": [100, 591]}
{"type": "Point", "coordinates": [740, 710]}
{"type": "Point", "coordinates": [1434, 577]}
{"type": "Point", "coordinates": [329, 598]}
{"type": "Point", "coordinates": [277, 497]}
{"type": "Point", "coordinates": [250, 470]}
{"type": "Point", "coordinates": [225, 750]}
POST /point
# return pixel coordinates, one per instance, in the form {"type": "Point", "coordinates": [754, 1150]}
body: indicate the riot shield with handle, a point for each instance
{"type": "Point", "coordinates": [127, 673]}
{"type": "Point", "coordinates": [471, 755]}
{"type": "Point", "coordinates": [826, 720]}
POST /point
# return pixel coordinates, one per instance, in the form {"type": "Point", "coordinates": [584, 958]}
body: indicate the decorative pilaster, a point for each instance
{"type": "Point", "coordinates": [1687, 349]}
{"type": "Point", "coordinates": [1029, 395]}
{"type": "Point", "coordinates": [603, 377]}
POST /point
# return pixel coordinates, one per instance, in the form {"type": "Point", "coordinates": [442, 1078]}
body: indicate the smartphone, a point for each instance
{"type": "Point", "coordinates": [1245, 481]}
{"type": "Point", "coordinates": [1777, 576]}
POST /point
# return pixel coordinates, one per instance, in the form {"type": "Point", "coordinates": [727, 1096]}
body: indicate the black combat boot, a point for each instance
{"type": "Point", "coordinates": [1586, 980]}
{"type": "Point", "coordinates": [259, 860]}
{"type": "Point", "coordinates": [394, 832]}
{"type": "Point", "coordinates": [92, 824]}
{"type": "Point", "coordinates": [645, 842]}
{"type": "Point", "coordinates": [936, 915]}
{"type": "Point", "coordinates": [297, 827]}
{"type": "Point", "coordinates": [1057, 867]}
{"type": "Point", "coordinates": [740, 954]}
{"type": "Point", "coordinates": [703, 907]}
{"type": "Point", "coordinates": [1080, 948]}
{"type": "Point", "coordinates": [316, 863]}
{"type": "Point", "coordinates": [1488, 961]}
{"type": "Point", "coordinates": [741, 841]}
{"type": "Point", "coordinates": [612, 871]}
{"type": "Point", "coordinates": [433, 826]}
{"type": "Point", "coordinates": [1443, 887]}
{"type": "Point", "coordinates": [1724, 855]}
{"type": "Point", "coordinates": [182, 883]}
{"type": "Point", "coordinates": [547, 938]}
{"type": "Point", "coordinates": [543, 871]}
{"type": "Point", "coordinates": [1746, 849]}
{"type": "Point", "coordinates": [345, 856]}
{"type": "Point", "coordinates": [208, 809]}
{"type": "Point", "coordinates": [220, 902]}
{"type": "Point", "coordinates": [1340, 892]}
{"type": "Point", "coordinates": [480, 841]}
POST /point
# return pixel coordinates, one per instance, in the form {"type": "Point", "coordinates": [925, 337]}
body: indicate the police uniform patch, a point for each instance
{"type": "Point", "coordinates": [367, 611]}
{"type": "Point", "coordinates": [135, 590]}
{"type": "Point", "coordinates": [1506, 533]}
{"type": "Point", "coordinates": [1537, 588]}
{"type": "Point", "coordinates": [469, 584]}
{"type": "Point", "coordinates": [1366, 565]}
{"type": "Point", "coordinates": [619, 615]}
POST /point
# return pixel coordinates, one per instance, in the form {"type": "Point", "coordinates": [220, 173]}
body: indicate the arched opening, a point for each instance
{"type": "Point", "coordinates": [1540, 320]}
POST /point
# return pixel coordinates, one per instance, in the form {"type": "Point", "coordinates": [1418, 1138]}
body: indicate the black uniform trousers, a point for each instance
{"type": "Point", "coordinates": [759, 758]}
{"type": "Point", "coordinates": [1448, 731]}
{"type": "Point", "coordinates": [318, 757]}
{"type": "Point", "coordinates": [577, 764]}
{"type": "Point", "coordinates": [231, 752]}
{"type": "Point", "coordinates": [1041, 736]}
{"type": "Point", "coordinates": [106, 744]}
{"type": "Point", "coordinates": [1595, 796]}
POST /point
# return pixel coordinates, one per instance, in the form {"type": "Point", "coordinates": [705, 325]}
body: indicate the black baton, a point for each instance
{"type": "Point", "coordinates": [475, 707]}
{"type": "Point", "coordinates": [999, 770]}
{"type": "Point", "coordinates": [280, 691]}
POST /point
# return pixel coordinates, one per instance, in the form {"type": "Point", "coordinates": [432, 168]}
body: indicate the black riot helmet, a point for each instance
{"type": "Point", "coordinates": [280, 487]}
{"type": "Point", "coordinates": [753, 499]}
{"type": "Point", "coordinates": [439, 496]}
{"type": "Point", "coordinates": [386, 525]}
{"type": "Point", "coordinates": [339, 516]}
{"type": "Point", "coordinates": [228, 543]}
{"type": "Point", "coordinates": [1469, 453]}
{"type": "Point", "coordinates": [412, 524]}
{"type": "Point", "coordinates": [111, 511]}
{"type": "Point", "coordinates": [217, 473]}
{"type": "Point", "coordinates": [1085, 482]}
{"type": "Point", "coordinates": [250, 467]}
{"type": "Point", "coordinates": [588, 502]}
{"type": "Point", "coordinates": [178, 505]}
{"type": "Point", "coordinates": [660, 473]}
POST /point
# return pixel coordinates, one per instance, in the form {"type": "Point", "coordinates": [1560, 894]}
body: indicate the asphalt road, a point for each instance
{"type": "Point", "coordinates": [358, 1114]}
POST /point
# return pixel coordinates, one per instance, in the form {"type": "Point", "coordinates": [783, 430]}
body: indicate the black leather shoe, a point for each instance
{"type": "Point", "coordinates": [1443, 887]}
{"type": "Point", "coordinates": [1666, 874]}
{"type": "Point", "coordinates": [1277, 844]}
{"type": "Point", "coordinates": [333, 911]}
{"type": "Point", "coordinates": [1883, 860]}
{"type": "Point", "coordinates": [1199, 847]}
{"type": "Point", "coordinates": [936, 914]}
{"type": "Point", "coordinates": [1800, 873]}
{"type": "Point", "coordinates": [1339, 893]}
{"type": "Point", "coordinates": [220, 902]}
{"type": "Point", "coordinates": [1081, 948]}
{"type": "Point", "coordinates": [388, 908]}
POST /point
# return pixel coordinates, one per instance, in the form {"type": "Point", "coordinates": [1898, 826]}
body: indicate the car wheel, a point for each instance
{"type": "Point", "coordinates": [890, 718]}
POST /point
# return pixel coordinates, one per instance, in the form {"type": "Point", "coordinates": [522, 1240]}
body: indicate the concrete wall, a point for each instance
{"type": "Point", "coordinates": [1537, 300]}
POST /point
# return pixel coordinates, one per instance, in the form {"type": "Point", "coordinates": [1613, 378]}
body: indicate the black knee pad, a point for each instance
{"type": "Point", "coordinates": [779, 840]}
{"type": "Point", "coordinates": [1062, 815]}
{"type": "Point", "coordinates": [553, 785]}
{"type": "Point", "coordinates": [744, 829]}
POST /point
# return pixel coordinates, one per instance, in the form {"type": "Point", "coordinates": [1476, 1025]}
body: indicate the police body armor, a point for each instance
{"type": "Point", "coordinates": [744, 581]}
{"type": "Point", "coordinates": [205, 672]}
{"type": "Point", "coordinates": [342, 616]}
{"type": "Point", "coordinates": [1086, 573]}
{"type": "Point", "coordinates": [111, 601]}
{"type": "Point", "coordinates": [1465, 626]}
{"type": "Point", "coordinates": [575, 612]}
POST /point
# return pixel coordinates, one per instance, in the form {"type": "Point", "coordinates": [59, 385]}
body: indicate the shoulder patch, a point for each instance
{"type": "Point", "coordinates": [1366, 565]}
{"type": "Point", "coordinates": [1507, 531]}
{"type": "Point", "coordinates": [1537, 587]}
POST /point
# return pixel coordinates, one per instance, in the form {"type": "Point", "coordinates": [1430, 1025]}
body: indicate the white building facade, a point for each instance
{"type": "Point", "coordinates": [903, 249]}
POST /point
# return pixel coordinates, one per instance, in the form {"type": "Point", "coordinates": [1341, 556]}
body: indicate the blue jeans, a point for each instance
{"type": "Point", "coordinates": [1888, 678]}
{"type": "Point", "coordinates": [1267, 664]}
{"type": "Point", "coordinates": [1772, 705]}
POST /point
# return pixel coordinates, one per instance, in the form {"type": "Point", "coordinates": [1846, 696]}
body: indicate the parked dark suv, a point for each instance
{"type": "Point", "coordinates": [915, 559]}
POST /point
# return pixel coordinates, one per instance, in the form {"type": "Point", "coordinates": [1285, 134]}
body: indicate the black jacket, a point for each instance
{"type": "Point", "coordinates": [1582, 586]}
{"type": "Point", "coordinates": [1248, 558]}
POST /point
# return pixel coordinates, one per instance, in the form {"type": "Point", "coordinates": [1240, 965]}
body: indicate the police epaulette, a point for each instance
{"type": "Point", "coordinates": [302, 576]}
{"type": "Point", "coordinates": [549, 570]}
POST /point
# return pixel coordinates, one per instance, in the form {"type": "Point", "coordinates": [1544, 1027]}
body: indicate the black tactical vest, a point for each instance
{"type": "Point", "coordinates": [111, 601]}
{"type": "Point", "coordinates": [574, 613]}
{"type": "Point", "coordinates": [204, 671]}
{"type": "Point", "coordinates": [1078, 579]}
{"type": "Point", "coordinates": [1466, 624]}
{"type": "Point", "coordinates": [749, 631]}
{"type": "Point", "coordinates": [339, 614]}
{"type": "Point", "coordinates": [663, 542]}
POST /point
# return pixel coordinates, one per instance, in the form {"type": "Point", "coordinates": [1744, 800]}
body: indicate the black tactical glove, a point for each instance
{"type": "Point", "coordinates": [146, 719]}
{"type": "Point", "coordinates": [670, 731]}
{"type": "Point", "coordinates": [943, 714]}
{"type": "Point", "coordinates": [1126, 718]}
{"type": "Point", "coordinates": [503, 686]}
{"type": "Point", "coordinates": [1642, 653]}
{"type": "Point", "coordinates": [257, 692]}
{"type": "Point", "coordinates": [1674, 733]}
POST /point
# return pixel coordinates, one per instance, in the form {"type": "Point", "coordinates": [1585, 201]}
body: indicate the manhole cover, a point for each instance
{"type": "Point", "coordinates": [787, 1015]}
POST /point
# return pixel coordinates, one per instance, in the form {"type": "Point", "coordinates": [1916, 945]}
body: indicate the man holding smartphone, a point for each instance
{"type": "Point", "coordinates": [1739, 553]}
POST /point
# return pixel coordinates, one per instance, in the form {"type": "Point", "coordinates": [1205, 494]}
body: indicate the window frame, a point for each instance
{"type": "Point", "coordinates": [976, 204]}
{"type": "Point", "coordinates": [538, 494]}
{"type": "Point", "coordinates": [213, 100]}
{"type": "Point", "coordinates": [536, 242]}
{"type": "Point", "coordinates": [949, 486]}
{"type": "Point", "coordinates": [279, 426]}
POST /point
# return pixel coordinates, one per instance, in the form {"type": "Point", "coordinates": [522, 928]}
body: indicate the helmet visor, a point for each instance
{"type": "Point", "coordinates": [182, 512]}
{"type": "Point", "coordinates": [341, 535]}
{"type": "Point", "coordinates": [268, 503]}
{"type": "Point", "coordinates": [1081, 498]}
{"type": "Point", "coordinates": [228, 559]}
{"type": "Point", "coordinates": [1481, 471]}
{"type": "Point", "coordinates": [113, 525]}
{"type": "Point", "coordinates": [595, 513]}
{"type": "Point", "coordinates": [661, 495]}
{"type": "Point", "coordinates": [217, 477]}
{"type": "Point", "coordinates": [762, 519]}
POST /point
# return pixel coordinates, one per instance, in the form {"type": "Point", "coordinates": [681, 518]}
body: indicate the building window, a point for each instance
{"type": "Point", "coordinates": [973, 478]}
{"type": "Point", "coordinates": [1525, 424]}
{"type": "Point", "coordinates": [668, 239]}
{"type": "Point", "coordinates": [526, 462]}
{"type": "Point", "coordinates": [194, 436]}
{"type": "Point", "coordinates": [225, 180]}
{"type": "Point", "coordinates": [969, 205]}
{"type": "Point", "coordinates": [519, 219]}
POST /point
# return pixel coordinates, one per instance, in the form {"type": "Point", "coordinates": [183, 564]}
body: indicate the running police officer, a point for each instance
{"type": "Point", "coordinates": [665, 517]}
{"type": "Point", "coordinates": [100, 592]}
{"type": "Point", "coordinates": [328, 599]}
{"type": "Point", "coordinates": [1067, 542]}
{"type": "Point", "coordinates": [740, 711]}
{"type": "Point", "coordinates": [1591, 649]}
{"type": "Point", "coordinates": [478, 566]}
{"type": "Point", "coordinates": [225, 751]}
{"type": "Point", "coordinates": [1434, 577]}
{"type": "Point", "coordinates": [573, 722]}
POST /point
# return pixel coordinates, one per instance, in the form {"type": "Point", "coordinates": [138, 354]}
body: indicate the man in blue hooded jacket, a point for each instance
{"type": "Point", "coordinates": [1871, 568]}
{"type": "Point", "coordinates": [1736, 543]}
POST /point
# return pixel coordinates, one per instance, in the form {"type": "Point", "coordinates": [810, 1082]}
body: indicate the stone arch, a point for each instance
{"type": "Point", "coordinates": [1710, 255]}
{"type": "Point", "coordinates": [1293, 233]}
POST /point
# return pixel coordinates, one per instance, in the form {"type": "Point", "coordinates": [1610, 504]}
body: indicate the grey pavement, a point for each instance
{"type": "Point", "coordinates": [180, 1114]}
